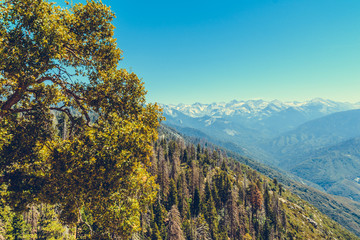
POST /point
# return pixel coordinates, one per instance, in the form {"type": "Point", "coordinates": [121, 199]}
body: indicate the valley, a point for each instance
{"type": "Point", "coordinates": [317, 140]}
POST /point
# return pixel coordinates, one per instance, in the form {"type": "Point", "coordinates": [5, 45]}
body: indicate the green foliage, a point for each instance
{"type": "Point", "coordinates": [156, 233]}
{"type": "Point", "coordinates": [342, 210]}
{"type": "Point", "coordinates": [223, 184]}
{"type": "Point", "coordinates": [262, 214]}
{"type": "Point", "coordinates": [75, 130]}
{"type": "Point", "coordinates": [48, 227]}
{"type": "Point", "coordinates": [210, 212]}
{"type": "Point", "coordinates": [195, 203]}
{"type": "Point", "coordinates": [172, 197]}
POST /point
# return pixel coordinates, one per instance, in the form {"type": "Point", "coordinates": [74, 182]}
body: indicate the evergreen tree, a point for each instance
{"type": "Point", "coordinates": [173, 195]}
{"type": "Point", "coordinates": [216, 197]}
{"type": "Point", "coordinates": [267, 205]}
{"type": "Point", "coordinates": [159, 217]}
{"type": "Point", "coordinates": [198, 151]}
{"type": "Point", "coordinates": [210, 213]}
{"type": "Point", "coordinates": [156, 235]}
{"type": "Point", "coordinates": [185, 157]}
{"type": "Point", "coordinates": [195, 204]}
{"type": "Point", "coordinates": [223, 184]}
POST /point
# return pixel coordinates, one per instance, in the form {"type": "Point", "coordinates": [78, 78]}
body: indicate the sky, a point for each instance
{"type": "Point", "coordinates": [216, 51]}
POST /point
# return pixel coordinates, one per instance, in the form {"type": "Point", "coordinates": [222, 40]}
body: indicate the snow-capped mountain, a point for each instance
{"type": "Point", "coordinates": [296, 136]}
{"type": "Point", "coordinates": [258, 108]}
{"type": "Point", "coordinates": [249, 123]}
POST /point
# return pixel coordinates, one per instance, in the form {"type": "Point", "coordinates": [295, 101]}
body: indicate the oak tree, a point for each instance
{"type": "Point", "coordinates": [63, 62]}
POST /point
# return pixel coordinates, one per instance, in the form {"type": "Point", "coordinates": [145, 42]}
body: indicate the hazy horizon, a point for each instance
{"type": "Point", "coordinates": [264, 99]}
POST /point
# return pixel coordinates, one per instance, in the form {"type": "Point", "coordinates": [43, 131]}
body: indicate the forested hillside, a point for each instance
{"type": "Point", "coordinates": [205, 195]}
{"type": "Point", "coordinates": [202, 194]}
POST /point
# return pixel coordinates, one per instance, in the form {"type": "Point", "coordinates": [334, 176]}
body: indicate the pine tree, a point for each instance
{"type": "Point", "coordinates": [216, 197]}
{"type": "Point", "coordinates": [195, 204]}
{"type": "Point", "coordinates": [210, 213]}
{"type": "Point", "coordinates": [173, 195]}
{"type": "Point", "coordinates": [223, 184]}
{"type": "Point", "coordinates": [156, 235]}
{"type": "Point", "coordinates": [198, 151]}
{"type": "Point", "coordinates": [185, 156]}
{"type": "Point", "coordinates": [268, 205]}
{"type": "Point", "coordinates": [159, 217]}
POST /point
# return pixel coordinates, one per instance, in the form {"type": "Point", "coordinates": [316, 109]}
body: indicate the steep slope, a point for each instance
{"type": "Point", "coordinates": [335, 168]}
{"type": "Point", "coordinates": [343, 210]}
{"type": "Point", "coordinates": [206, 195]}
{"type": "Point", "coordinates": [295, 146]}
{"type": "Point", "coordinates": [243, 149]}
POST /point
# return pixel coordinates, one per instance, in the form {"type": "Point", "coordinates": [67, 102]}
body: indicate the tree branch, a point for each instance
{"type": "Point", "coordinates": [45, 78]}
{"type": "Point", "coordinates": [21, 110]}
{"type": "Point", "coordinates": [60, 109]}
{"type": "Point", "coordinates": [13, 99]}
{"type": "Point", "coordinates": [87, 224]}
{"type": "Point", "coordinates": [72, 51]}
{"type": "Point", "coordinates": [56, 79]}
{"type": "Point", "coordinates": [77, 100]}
{"type": "Point", "coordinates": [16, 97]}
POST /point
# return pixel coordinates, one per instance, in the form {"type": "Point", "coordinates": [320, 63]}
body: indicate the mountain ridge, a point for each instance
{"type": "Point", "coordinates": [236, 107]}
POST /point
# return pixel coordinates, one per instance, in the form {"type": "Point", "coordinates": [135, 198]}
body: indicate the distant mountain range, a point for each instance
{"type": "Point", "coordinates": [301, 137]}
{"type": "Point", "coordinates": [259, 108]}
{"type": "Point", "coordinates": [243, 118]}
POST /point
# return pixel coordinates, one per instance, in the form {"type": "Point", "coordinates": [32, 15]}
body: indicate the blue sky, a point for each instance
{"type": "Point", "coordinates": [211, 51]}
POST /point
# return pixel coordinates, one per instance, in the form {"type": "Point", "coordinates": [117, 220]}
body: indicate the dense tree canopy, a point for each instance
{"type": "Point", "coordinates": [75, 130]}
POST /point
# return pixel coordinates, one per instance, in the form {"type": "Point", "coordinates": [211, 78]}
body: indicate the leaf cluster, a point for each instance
{"type": "Point", "coordinates": [75, 131]}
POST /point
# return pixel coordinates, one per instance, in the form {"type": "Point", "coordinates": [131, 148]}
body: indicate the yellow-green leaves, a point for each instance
{"type": "Point", "coordinates": [74, 129]}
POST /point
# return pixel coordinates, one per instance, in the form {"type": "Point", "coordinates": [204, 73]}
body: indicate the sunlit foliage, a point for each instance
{"type": "Point", "coordinates": [75, 130]}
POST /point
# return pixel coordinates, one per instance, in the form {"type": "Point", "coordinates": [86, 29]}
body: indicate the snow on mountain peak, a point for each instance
{"type": "Point", "coordinates": [255, 108]}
